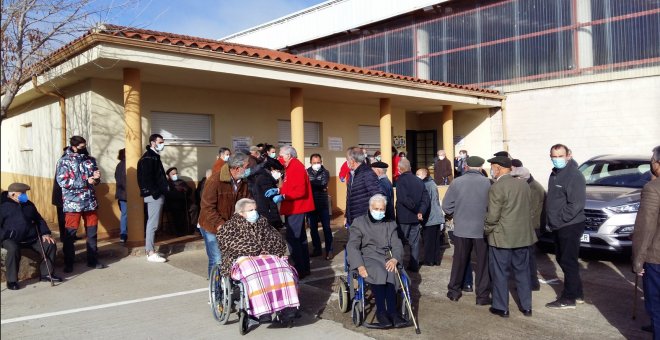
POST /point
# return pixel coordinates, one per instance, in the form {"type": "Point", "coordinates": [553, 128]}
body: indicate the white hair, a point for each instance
{"type": "Point", "coordinates": [289, 150]}
{"type": "Point", "coordinates": [240, 205]}
{"type": "Point", "coordinates": [377, 198]}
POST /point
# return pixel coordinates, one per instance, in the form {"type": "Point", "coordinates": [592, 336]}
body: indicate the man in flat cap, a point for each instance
{"type": "Point", "coordinates": [21, 225]}
{"type": "Point", "coordinates": [502, 154]}
{"type": "Point", "coordinates": [380, 168]}
{"type": "Point", "coordinates": [467, 200]}
{"type": "Point", "coordinates": [509, 231]}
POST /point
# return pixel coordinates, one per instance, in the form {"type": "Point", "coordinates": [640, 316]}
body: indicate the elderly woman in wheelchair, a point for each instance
{"type": "Point", "coordinates": [374, 250]}
{"type": "Point", "coordinates": [251, 249]}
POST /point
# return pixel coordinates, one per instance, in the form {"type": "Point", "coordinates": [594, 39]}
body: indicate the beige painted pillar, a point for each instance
{"type": "Point", "coordinates": [448, 132]}
{"type": "Point", "coordinates": [133, 138]}
{"type": "Point", "coordinates": [297, 122]}
{"type": "Point", "coordinates": [386, 133]}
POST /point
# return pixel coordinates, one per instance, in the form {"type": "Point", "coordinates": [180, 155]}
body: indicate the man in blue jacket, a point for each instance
{"type": "Point", "coordinates": [412, 202]}
{"type": "Point", "coordinates": [361, 185]}
{"type": "Point", "coordinates": [380, 169]}
{"type": "Point", "coordinates": [564, 208]}
{"type": "Point", "coordinates": [19, 220]}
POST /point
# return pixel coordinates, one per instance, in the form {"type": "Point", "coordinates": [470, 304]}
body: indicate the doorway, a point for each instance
{"type": "Point", "coordinates": [422, 146]}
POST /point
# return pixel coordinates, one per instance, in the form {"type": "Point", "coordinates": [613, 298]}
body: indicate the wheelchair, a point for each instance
{"type": "Point", "coordinates": [227, 295]}
{"type": "Point", "coordinates": [351, 291]}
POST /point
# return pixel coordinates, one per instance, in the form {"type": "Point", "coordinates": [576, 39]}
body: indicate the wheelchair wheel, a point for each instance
{"type": "Point", "coordinates": [243, 322]}
{"type": "Point", "coordinates": [356, 314]}
{"type": "Point", "coordinates": [344, 295]}
{"type": "Point", "coordinates": [219, 296]}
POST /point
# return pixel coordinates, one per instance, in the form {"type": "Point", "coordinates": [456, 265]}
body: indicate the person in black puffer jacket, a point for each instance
{"type": "Point", "coordinates": [362, 184]}
{"type": "Point", "coordinates": [19, 220]}
{"type": "Point", "coordinates": [412, 202]}
{"type": "Point", "coordinates": [259, 182]}
{"type": "Point", "coordinates": [319, 178]}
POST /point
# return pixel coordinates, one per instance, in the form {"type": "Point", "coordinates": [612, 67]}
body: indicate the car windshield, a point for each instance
{"type": "Point", "coordinates": [617, 173]}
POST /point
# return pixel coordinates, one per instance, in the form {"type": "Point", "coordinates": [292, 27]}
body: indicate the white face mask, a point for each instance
{"type": "Point", "coordinates": [420, 177]}
{"type": "Point", "coordinates": [441, 157]}
{"type": "Point", "coordinates": [174, 177]}
{"type": "Point", "coordinates": [276, 174]}
{"type": "Point", "coordinates": [252, 216]}
{"type": "Point", "coordinates": [225, 158]}
{"type": "Point", "coordinates": [160, 147]}
{"type": "Point", "coordinates": [316, 167]}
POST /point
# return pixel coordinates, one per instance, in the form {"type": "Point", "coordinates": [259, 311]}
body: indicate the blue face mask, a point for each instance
{"type": "Point", "coordinates": [23, 198]}
{"type": "Point", "coordinates": [559, 163]}
{"type": "Point", "coordinates": [377, 215]}
{"type": "Point", "coordinates": [246, 173]}
{"type": "Point", "coordinates": [252, 216]}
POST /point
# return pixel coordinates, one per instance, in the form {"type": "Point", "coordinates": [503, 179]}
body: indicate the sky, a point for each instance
{"type": "Point", "coordinates": [212, 19]}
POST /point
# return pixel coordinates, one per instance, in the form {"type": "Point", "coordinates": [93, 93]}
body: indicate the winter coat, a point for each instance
{"type": "Point", "coordinates": [219, 199]}
{"type": "Point", "coordinates": [18, 221]}
{"type": "Point", "coordinates": [367, 244]}
{"type": "Point", "coordinates": [386, 187]}
{"type": "Point", "coordinates": [238, 237]}
{"type": "Point", "coordinates": [412, 198]}
{"type": "Point", "coordinates": [361, 185]}
{"type": "Point", "coordinates": [73, 170]}
{"type": "Point", "coordinates": [537, 203]}
{"type": "Point", "coordinates": [120, 178]}
{"type": "Point", "coordinates": [261, 181]}
{"type": "Point", "coordinates": [319, 181]}
{"type": "Point", "coordinates": [567, 195]}
{"type": "Point", "coordinates": [467, 201]}
{"type": "Point", "coordinates": [434, 215]}
{"type": "Point", "coordinates": [297, 191]}
{"type": "Point", "coordinates": [443, 172]}
{"type": "Point", "coordinates": [646, 238]}
{"type": "Point", "coordinates": [508, 222]}
{"type": "Point", "coordinates": [151, 175]}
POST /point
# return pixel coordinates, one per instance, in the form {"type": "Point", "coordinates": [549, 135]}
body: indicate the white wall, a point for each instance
{"type": "Point", "coordinates": [617, 117]}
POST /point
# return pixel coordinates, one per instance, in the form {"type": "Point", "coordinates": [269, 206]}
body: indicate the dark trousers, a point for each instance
{"type": "Point", "coordinates": [459, 267]}
{"type": "Point", "coordinates": [296, 239]}
{"type": "Point", "coordinates": [323, 215]}
{"type": "Point", "coordinates": [500, 261]}
{"type": "Point", "coordinates": [385, 296]}
{"type": "Point", "coordinates": [533, 277]}
{"type": "Point", "coordinates": [432, 242]}
{"type": "Point", "coordinates": [69, 250]}
{"type": "Point", "coordinates": [14, 257]}
{"type": "Point", "coordinates": [567, 246]}
{"type": "Point", "coordinates": [61, 223]}
{"type": "Point", "coordinates": [411, 234]}
{"type": "Point", "coordinates": [651, 281]}
{"type": "Point", "coordinates": [467, 280]}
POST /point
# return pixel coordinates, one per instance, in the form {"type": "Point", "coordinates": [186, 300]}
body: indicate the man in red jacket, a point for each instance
{"type": "Point", "coordinates": [297, 199]}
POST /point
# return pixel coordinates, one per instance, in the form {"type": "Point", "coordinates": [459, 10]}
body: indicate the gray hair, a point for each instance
{"type": "Point", "coordinates": [377, 198]}
{"type": "Point", "coordinates": [656, 154]}
{"type": "Point", "coordinates": [240, 205]}
{"type": "Point", "coordinates": [404, 165]}
{"type": "Point", "coordinates": [289, 150]}
{"type": "Point", "coordinates": [237, 160]}
{"type": "Point", "coordinates": [355, 153]}
{"type": "Point", "coordinates": [521, 172]}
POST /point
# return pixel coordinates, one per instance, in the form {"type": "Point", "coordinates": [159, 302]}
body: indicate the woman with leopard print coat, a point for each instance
{"type": "Point", "coordinates": [247, 234]}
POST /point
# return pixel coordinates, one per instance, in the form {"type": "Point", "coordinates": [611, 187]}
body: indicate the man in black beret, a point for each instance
{"type": "Point", "coordinates": [380, 168]}
{"type": "Point", "coordinates": [21, 224]}
{"type": "Point", "coordinates": [516, 163]}
{"type": "Point", "coordinates": [502, 154]}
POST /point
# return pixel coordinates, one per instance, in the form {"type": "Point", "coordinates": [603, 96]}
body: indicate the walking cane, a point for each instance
{"type": "Point", "coordinates": [634, 312]}
{"type": "Point", "coordinates": [405, 296]}
{"type": "Point", "coordinates": [43, 253]}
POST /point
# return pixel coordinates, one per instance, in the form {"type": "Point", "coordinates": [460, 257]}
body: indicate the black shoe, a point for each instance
{"type": "Point", "coordinates": [526, 312]}
{"type": "Point", "coordinates": [98, 265]}
{"type": "Point", "coordinates": [453, 297]}
{"type": "Point", "coordinates": [484, 302]}
{"type": "Point", "coordinates": [68, 269]}
{"type": "Point", "coordinates": [648, 328]}
{"type": "Point", "coordinates": [412, 269]}
{"type": "Point", "coordinates": [53, 276]}
{"type": "Point", "coordinates": [399, 322]}
{"type": "Point", "coordinates": [561, 304]}
{"type": "Point", "coordinates": [13, 286]}
{"type": "Point", "coordinates": [383, 322]}
{"type": "Point", "coordinates": [315, 253]}
{"type": "Point", "coordinates": [502, 313]}
{"type": "Point", "coordinates": [536, 287]}
{"type": "Point", "coordinates": [302, 275]}
{"type": "Point", "coordinates": [468, 289]}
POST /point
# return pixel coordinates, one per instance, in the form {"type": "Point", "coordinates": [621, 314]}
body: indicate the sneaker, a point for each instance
{"type": "Point", "coordinates": [579, 301]}
{"type": "Point", "coordinates": [155, 257]}
{"type": "Point", "coordinates": [561, 304]}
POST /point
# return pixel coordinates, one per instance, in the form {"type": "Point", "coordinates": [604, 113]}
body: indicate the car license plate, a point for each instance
{"type": "Point", "coordinates": [585, 238]}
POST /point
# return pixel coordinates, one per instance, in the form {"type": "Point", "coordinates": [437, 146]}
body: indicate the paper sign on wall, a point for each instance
{"type": "Point", "coordinates": [241, 143]}
{"type": "Point", "coordinates": [335, 144]}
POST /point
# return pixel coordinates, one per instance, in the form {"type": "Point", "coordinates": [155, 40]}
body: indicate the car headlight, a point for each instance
{"type": "Point", "coordinates": [625, 229]}
{"type": "Point", "coordinates": [626, 208]}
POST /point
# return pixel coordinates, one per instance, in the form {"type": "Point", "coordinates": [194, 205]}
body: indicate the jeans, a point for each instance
{"type": "Point", "coordinates": [212, 248]}
{"type": "Point", "coordinates": [123, 220]}
{"type": "Point", "coordinates": [651, 280]}
{"type": "Point", "coordinates": [323, 215]}
{"type": "Point", "coordinates": [567, 245]}
{"type": "Point", "coordinates": [411, 234]}
{"type": "Point", "coordinates": [154, 209]}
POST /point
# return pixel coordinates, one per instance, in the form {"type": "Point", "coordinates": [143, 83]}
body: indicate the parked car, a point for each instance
{"type": "Point", "coordinates": [614, 186]}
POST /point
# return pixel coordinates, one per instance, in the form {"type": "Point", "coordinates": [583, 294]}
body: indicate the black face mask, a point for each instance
{"type": "Point", "coordinates": [82, 151]}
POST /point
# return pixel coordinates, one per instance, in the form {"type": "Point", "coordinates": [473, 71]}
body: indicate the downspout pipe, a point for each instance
{"type": "Point", "coordinates": [505, 134]}
{"type": "Point", "coordinates": [62, 102]}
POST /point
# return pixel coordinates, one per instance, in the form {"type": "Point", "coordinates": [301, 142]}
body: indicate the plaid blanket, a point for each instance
{"type": "Point", "coordinates": [270, 282]}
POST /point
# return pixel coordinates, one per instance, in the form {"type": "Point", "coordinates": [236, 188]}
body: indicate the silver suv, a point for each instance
{"type": "Point", "coordinates": [614, 185]}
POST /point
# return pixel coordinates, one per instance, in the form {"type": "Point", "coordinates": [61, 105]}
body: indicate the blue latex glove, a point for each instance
{"type": "Point", "coordinates": [278, 198]}
{"type": "Point", "coordinates": [272, 192]}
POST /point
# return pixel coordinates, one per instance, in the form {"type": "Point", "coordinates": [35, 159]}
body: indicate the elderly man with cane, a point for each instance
{"type": "Point", "coordinates": [22, 226]}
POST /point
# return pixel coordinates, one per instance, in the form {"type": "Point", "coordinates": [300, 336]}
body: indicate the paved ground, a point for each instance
{"type": "Point", "coordinates": [139, 300]}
